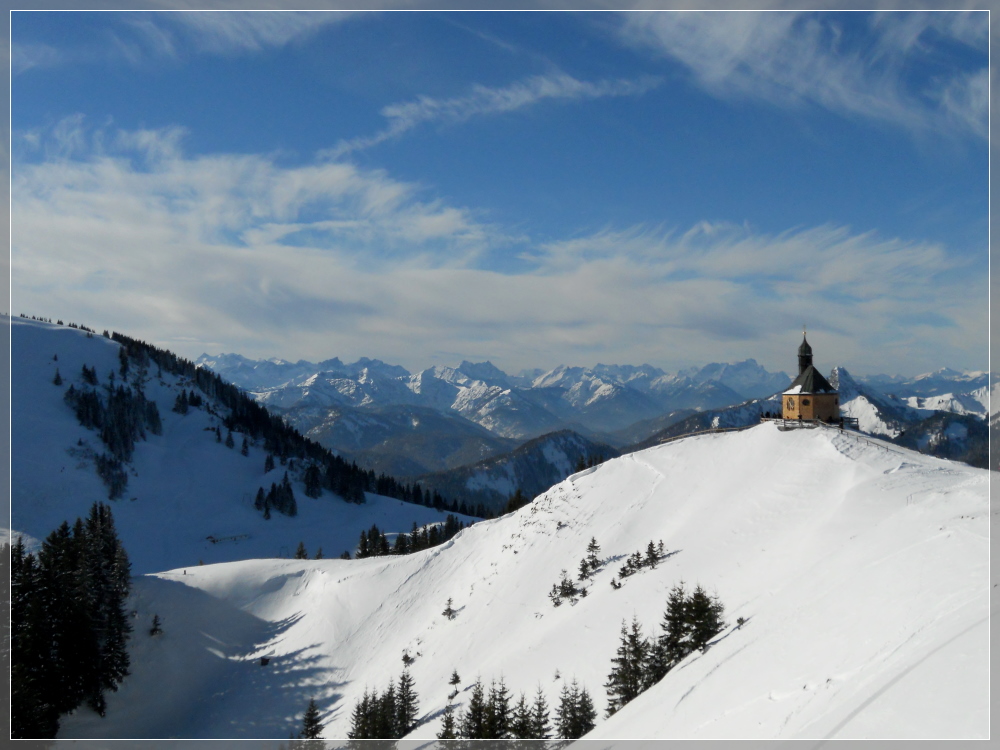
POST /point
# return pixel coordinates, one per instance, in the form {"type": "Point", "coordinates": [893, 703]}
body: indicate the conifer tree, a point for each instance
{"type": "Point", "coordinates": [181, 403]}
{"type": "Point", "coordinates": [300, 552]}
{"type": "Point", "coordinates": [448, 611]}
{"type": "Point", "coordinates": [314, 487]}
{"type": "Point", "coordinates": [567, 589]}
{"type": "Point", "coordinates": [521, 725]}
{"type": "Point", "coordinates": [57, 380]}
{"type": "Point", "coordinates": [473, 723]}
{"type": "Point", "coordinates": [449, 727]}
{"type": "Point", "coordinates": [675, 626]}
{"type": "Point", "coordinates": [593, 549]}
{"type": "Point", "coordinates": [540, 716]}
{"type": "Point", "coordinates": [230, 443]}
{"type": "Point", "coordinates": [156, 629]}
{"type": "Point", "coordinates": [625, 681]}
{"type": "Point", "coordinates": [498, 711]}
{"type": "Point", "coordinates": [704, 616]}
{"type": "Point", "coordinates": [406, 705]}
{"type": "Point", "coordinates": [575, 715]}
{"type": "Point", "coordinates": [269, 463]}
{"type": "Point", "coordinates": [245, 448]}
{"type": "Point", "coordinates": [402, 545]}
{"type": "Point", "coordinates": [386, 722]}
{"type": "Point", "coordinates": [312, 728]}
{"type": "Point", "coordinates": [362, 717]}
{"type": "Point", "coordinates": [319, 554]}
{"type": "Point", "coordinates": [586, 715]}
{"type": "Point", "coordinates": [651, 555]}
{"type": "Point", "coordinates": [657, 664]}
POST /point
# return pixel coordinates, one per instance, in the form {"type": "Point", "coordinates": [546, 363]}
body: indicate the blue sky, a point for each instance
{"type": "Point", "coordinates": [530, 188]}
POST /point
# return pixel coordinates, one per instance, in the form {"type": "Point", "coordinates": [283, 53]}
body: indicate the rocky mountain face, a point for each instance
{"type": "Point", "coordinates": [398, 440]}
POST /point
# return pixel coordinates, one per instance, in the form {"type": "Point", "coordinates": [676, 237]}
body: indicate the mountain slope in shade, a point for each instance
{"type": "Point", "coordinates": [183, 486]}
{"type": "Point", "coordinates": [401, 441]}
{"type": "Point", "coordinates": [532, 467]}
{"type": "Point", "coordinates": [861, 570]}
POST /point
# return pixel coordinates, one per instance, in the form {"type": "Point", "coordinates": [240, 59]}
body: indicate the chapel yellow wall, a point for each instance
{"type": "Point", "coordinates": [820, 406]}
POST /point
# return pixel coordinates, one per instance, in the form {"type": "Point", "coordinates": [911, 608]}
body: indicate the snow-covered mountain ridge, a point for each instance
{"type": "Point", "coordinates": [861, 570]}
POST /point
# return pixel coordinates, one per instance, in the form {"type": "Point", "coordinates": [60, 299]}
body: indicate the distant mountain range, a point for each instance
{"type": "Point", "coordinates": [602, 399]}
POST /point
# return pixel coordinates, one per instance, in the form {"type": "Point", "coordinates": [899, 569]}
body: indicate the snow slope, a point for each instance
{"type": "Point", "coordinates": [861, 570]}
{"type": "Point", "coordinates": [183, 486]}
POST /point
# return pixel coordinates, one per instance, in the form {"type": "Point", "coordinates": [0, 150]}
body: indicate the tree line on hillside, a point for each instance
{"type": "Point", "coordinates": [374, 543]}
{"type": "Point", "coordinates": [128, 413]}
{"type": "Point", "coordinates": [120, 413]}
{"type": "Point", "coordinates": [393, 713]}
{"type": "Point", "coordinates": [69, 627]}
{"type": "Point", "coordinates": [494, 716]}
{"type": "Point", "coordinates": [388, 715]}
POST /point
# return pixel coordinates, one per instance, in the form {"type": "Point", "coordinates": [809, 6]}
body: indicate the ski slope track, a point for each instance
{"type": "Point", "coordinates": [861, 570]}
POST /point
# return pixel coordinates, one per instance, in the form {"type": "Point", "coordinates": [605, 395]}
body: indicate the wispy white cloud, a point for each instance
{"type": "Point", "coordinates": [33, 55]}
{"type": "Point", "coordinates": [226, 32]}
{"type": "Point", "coordinates": [141, 37]}
{"type": "Point", "coordinates": [792, 59]}
{"type": "Point", "coordinates": [322, 259]}
{"type": "Point", "coordinates": [483, 101]}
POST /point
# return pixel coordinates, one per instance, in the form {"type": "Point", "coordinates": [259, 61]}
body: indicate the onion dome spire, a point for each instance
{"type": "Point", "coordinates": [805, 353]}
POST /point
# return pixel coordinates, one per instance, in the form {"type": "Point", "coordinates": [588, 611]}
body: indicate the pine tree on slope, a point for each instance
{"type": "Point", "coordinates": [540, 716]}
{"type": "Point", "coordinates": [312, 728]}
{"type": "Point", "coordinates": [626, 679]}
{"type": "Point", "coordinates": [473, 721]}
{"type": "Point", "coordinates": [406, 705]}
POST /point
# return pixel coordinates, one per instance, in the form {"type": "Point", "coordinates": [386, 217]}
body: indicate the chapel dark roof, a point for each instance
{"type": "Point", "coordinates": [804, 349]}
{"type": "Point", "coordinates": [810, 381]}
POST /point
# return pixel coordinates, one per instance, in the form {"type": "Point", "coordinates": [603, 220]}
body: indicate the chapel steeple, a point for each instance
{"type": "Point", "coordinates": [805, 353]}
